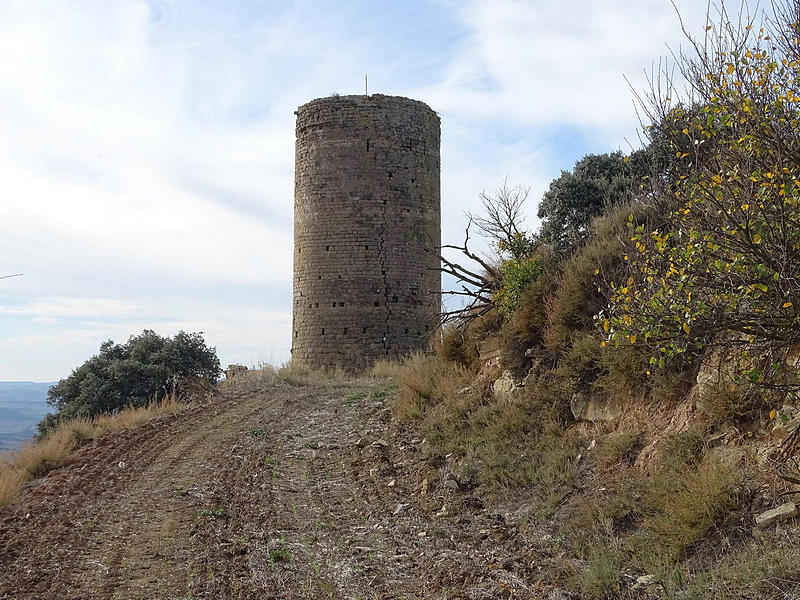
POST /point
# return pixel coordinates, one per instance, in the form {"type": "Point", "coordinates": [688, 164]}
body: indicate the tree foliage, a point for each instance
{"type": "Point", "coordinates": [723, 262]}
{"type": "Point", "coordinates": [576, 198]}
{"type": "Point", "coordinates": [145, 368]}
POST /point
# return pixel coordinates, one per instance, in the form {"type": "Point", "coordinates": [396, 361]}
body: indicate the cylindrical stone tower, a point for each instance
{"type": "Point", "coordinates": [366, 230]}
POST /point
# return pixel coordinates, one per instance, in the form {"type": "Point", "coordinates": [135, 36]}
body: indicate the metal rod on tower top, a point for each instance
{"type": "Point", "coordinates": [14, 275]}
{"type": "Point", "coordinates": [366, 93]}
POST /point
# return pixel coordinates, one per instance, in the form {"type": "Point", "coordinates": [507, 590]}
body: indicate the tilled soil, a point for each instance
{"type": "Point", "coordinates": [279, 492]}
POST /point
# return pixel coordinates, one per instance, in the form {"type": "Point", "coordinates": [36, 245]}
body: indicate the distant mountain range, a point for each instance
{"type": "Point", "coordinates": [22, 405]}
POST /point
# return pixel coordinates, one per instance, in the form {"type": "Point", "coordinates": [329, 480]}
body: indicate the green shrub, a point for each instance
{"type": "Point", "coordinates": [525, 327]}
{"type": "Point", "coordinates": [574, 199]}
{"type": "Point", "coordinates": [518, 274]}
{"type": "Point", "coordinates": [146, 368]}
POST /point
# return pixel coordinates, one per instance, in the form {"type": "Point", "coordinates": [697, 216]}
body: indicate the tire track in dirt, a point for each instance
{"type": "Point", "coordinates": [277, 492]}
{"type": "Point", "coordinates": [113, 502]}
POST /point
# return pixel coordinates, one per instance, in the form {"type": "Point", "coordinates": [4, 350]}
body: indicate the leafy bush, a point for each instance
{"type": "Point", "coordinates": [725, 262]}
{"type": "Point", "coordinates": [518, 274]}
{"type": "Point", "coordinates": [526, 325]}
{"type": "Point", "coordinates": [146, 368]}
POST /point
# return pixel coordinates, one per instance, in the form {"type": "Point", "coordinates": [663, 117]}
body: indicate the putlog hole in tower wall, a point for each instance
{"type": "Point", "coordinates": [366, 230]}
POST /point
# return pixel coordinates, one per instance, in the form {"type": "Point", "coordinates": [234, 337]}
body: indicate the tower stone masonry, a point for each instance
{"type": "Point", "coordinates": [367, 229]}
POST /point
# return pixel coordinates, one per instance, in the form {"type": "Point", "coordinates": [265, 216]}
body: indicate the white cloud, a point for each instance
{"type": "Point", "coordinates": [147, 148]}
{"type": "Point", "coordinates": [559, 61]}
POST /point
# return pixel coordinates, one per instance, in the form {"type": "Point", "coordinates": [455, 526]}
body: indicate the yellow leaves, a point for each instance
{"type": "Point", "coordinates": [597, 271]}
{"type": "Point", "coordinates": [687, 329]}
{"type": "Point", "coordinates": [708, 28]}
{"type": "Point", "coordinates": [602, 344]}
{"type": "Point", "coordinates": [787, 304]}
{"type": "Point", "coordinates": [606, 325]}
{"type": "Point", "coordinates": [633, 339]}
{"type": "Point", "coordinates": [757, 238]}
{"type": "Point", "coordinates": [729, 68]}
{"type": "Point", "coordinates": [772, 414]}
{"type": "Point", "coordinates": [745, 206]}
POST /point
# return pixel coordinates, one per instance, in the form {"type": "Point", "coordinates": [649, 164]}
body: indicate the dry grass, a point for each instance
{"type": "Point", "coordinates": [299, 375]}
{"type": "Point", "coordinates": [265, 375]}
{"type": "Point", "coordinates": [502, 444]}
{"type": "Point", "coordinates": [681, 504]}
{"type": "Point", "coordinates": [426, 381]}
{"type": "Point", "coordinates": [617, 447]}
{"type": "Point", "coordinates": [37, 458]}
{"type": "Point", "coordinates": [766, 567]}
{"type": "Point", "coordinates": [385, 369]}
{"type": "Point", "coordinates": [252, 380]}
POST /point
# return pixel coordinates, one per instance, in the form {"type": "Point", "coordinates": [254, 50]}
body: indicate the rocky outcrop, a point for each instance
{"type": "Point", "coordinates": [505, 389]}
{"type": "Point", "coordinates": [781, 513]}
{"type": "Point", "coordinates": [490, 351]}
{"type": "Point", "coordinates": [593, 407]}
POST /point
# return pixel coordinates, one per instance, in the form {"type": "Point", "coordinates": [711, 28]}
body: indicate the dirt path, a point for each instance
{"type": "Point", "coordinates": [278, 492]}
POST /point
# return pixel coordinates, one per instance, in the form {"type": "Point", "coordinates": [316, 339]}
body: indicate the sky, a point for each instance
{"type": "Point", "coordinates": [147, 146]}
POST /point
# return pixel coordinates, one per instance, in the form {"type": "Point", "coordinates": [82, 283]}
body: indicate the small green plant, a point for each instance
{"type": "Point", "coordinates": [212, 513]}
{"type": "Point", "coordinates": [604, 573]}
{"type": "Point", "coordinates": [258, 432]}
{"type": "Point", "coordinates": [269, 460]}
{"type": "Point", "coordinates": [518, 274]}
{"type": "Point", "coordinates": [280, 554]}
{"type": "Point", "coordinates": [354, 399]}
{"type": "Point", "coordinates": [382, 393]}
{"type": "Point", "coordinates": [179, 492]}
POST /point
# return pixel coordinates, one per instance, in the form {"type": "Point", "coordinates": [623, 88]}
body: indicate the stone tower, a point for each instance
{"type": "Point", "coordinates": [366, 230]}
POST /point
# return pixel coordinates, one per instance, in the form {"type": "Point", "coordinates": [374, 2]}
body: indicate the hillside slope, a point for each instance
{"type": "Point", "coordinates": [264, 491]}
